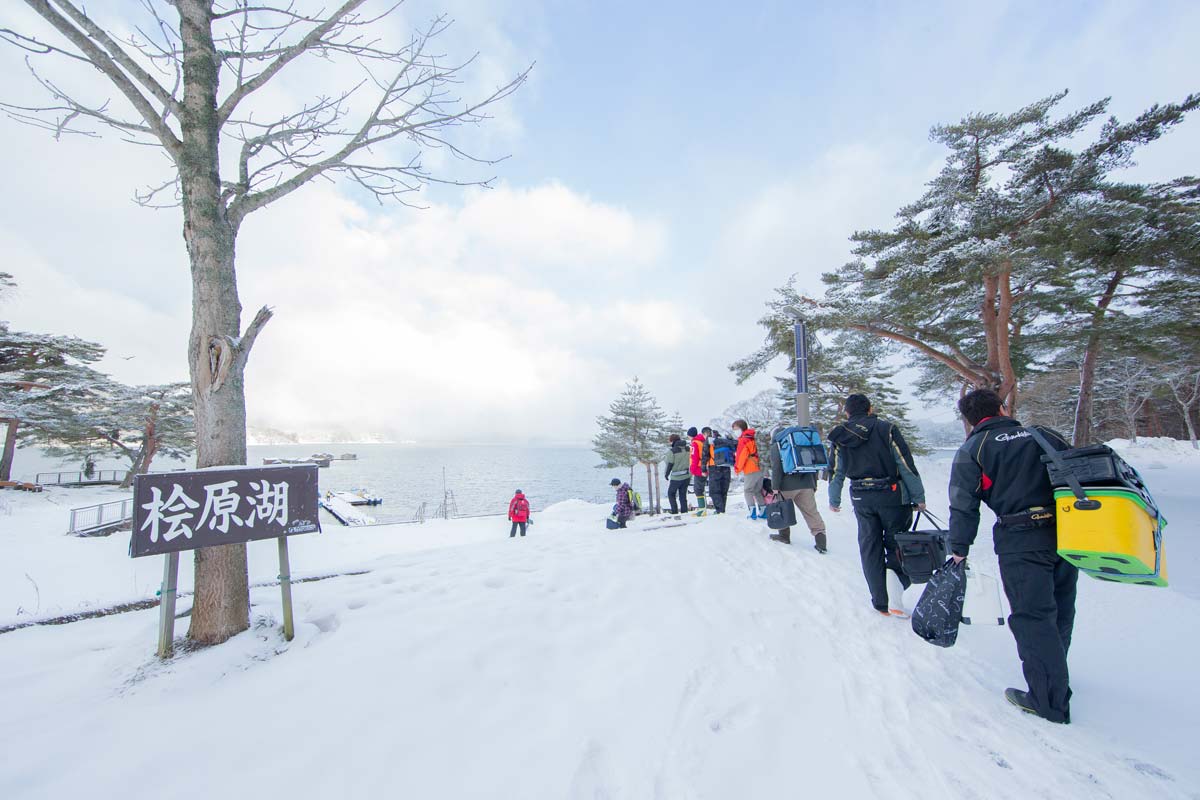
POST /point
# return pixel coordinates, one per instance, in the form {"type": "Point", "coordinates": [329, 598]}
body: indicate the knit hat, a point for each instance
{"type": "Point", "coordinates": [615, 482]}
{"type": "Point", "coordinates": [692, 431]}
{"type": "Point", "coordinates": [519, 491]}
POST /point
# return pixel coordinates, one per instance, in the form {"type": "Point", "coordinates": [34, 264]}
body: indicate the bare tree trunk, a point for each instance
{"type": "Point", "coordinates": [1004, 334]}
{"type": "Point", "coordinates": [222, 601]}
{"type": "Point", "coordinates": [10, 449]}
{"type": "Point", "coordinates": [1191, 427]}
{"type": "Point", "coordinates": [135, 468]}
{"type": "Point", "coordinates": [657, 492]}
{"type": "Point", "coordinates": [1087, 392]}
{"type": "Point", "coordinates": [1087, 370]}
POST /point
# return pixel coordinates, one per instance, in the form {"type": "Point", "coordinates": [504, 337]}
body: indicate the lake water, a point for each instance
{"type": "Point", "coordinates": [481, 477]}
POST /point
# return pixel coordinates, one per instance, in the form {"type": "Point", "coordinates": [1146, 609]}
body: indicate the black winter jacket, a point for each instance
{"type": "Point", "coordinates": [1001, 465]}
{"type": "Point", "coordinates": [866, 446]}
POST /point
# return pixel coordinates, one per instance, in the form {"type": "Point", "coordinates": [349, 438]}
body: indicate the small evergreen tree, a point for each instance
{"type": "Point", "coordinates": [632, 434]}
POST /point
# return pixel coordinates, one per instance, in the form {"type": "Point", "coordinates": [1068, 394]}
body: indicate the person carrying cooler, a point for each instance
{"type": "Point", "coordinates": [698, 467]}
{"type": "Point", "coordinates": [678, 473]}
{"type": "Point", "coordinates": [1001, 465]}
{"type": "Point", "coordinates": [518, 513]}
{"type": "Point", "coordinates": [799, 488]}
{"type": "Point", "coordinates": [623, 510]}
{"type": "Point", "coordinates": [884, 488]}
{"type": "Point", "coordinates": [748, 465]}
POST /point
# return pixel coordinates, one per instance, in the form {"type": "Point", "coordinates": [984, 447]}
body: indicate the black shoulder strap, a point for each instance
{"type": "Point", "coordinates": [1081, 499]}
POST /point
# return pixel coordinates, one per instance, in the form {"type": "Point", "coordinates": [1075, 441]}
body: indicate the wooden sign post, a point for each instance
{"type": "Point", "coordinates": [177, 511]}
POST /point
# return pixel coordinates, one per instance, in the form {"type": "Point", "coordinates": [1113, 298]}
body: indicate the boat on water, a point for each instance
{"type": "Point", "coordinates": [320, 462]}
{"type": "Point", "coordinates": [360, 497]}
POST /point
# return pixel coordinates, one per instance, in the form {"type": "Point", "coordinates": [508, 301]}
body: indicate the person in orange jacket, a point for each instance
{"type": "Point", "coordinates": [747, 465]}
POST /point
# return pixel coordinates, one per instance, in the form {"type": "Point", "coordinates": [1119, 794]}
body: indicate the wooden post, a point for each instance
{"type": "Point", "coordinates": [166, 605]}
{"type": "Point", "coordinates": [285, 587]}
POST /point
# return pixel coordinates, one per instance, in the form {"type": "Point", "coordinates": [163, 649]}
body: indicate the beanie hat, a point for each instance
{"type": "Point", "coordinates": [519, 491]}
{"type": "Point", "coordinates": [692, 431]}
{"type": "Point", "coordinates": [615, 482]}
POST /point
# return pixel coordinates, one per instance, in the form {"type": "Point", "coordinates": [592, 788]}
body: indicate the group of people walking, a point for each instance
{"type": "Point", "coordinates": [999, 465]}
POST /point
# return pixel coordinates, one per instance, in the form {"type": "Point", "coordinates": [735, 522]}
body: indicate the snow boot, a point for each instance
{"type": "Point", "coordinates": [819, 543]}
{"type": "Point", "coordinates": [1021, 700]}
{"type": "Point", "coordinates": [782, 538]}
{"type": "Point", "coordinates": [754, 512]}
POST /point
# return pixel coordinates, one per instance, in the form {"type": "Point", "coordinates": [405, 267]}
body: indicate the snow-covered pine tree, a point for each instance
{"type": "Point", "coordinates": [631, 434]}
{"type": "Point", "coordinates": [958, 279]}
{"type": "Point", "coordinates": [132, 422]}
{"type": "Point", "coordinates": [841, 362]}
{"type": "Point", "coordinates": [1120, 253]}
{"type": "Point", "coordinates": [43, 379]}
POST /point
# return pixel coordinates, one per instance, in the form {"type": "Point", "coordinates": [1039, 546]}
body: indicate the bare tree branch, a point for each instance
{"type": "Point", "coordinates": [310, 40]}
{"type": "Point", "coordinates": [104, 62]}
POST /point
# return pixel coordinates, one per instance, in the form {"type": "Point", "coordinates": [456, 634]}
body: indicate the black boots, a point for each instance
{"type": "Point", "coordinates": [1022, 701]}
{"type": "Point", "coordinates": [783, 537]}
{"type": "Point", "coordinates": [819, 544]}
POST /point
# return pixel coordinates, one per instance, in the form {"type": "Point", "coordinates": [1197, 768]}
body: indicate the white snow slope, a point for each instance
{"type": "Point", "coordinates": [692, 662]}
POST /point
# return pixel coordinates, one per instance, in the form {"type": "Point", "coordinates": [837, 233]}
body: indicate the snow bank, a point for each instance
{"type": "Point", "coordinates": [1155, 452]}
{"type": "Point", "coordinates": [700, 661]}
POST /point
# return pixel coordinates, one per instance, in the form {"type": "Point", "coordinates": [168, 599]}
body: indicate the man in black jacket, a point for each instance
{"type": "Point", "coordinates": [884, 487]}
{"type": "Point", "coordinates": [1001, 464]}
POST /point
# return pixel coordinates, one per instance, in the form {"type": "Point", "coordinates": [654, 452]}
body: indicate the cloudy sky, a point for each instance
{"type": "Point", "coordinates": [671, 162]}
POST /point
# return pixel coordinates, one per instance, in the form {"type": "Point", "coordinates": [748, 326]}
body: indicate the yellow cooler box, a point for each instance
{"type": "Point", "coordinates": [1119, 541]}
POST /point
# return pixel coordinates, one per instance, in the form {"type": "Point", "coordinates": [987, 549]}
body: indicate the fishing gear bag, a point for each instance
{"type": "Point", "coordinates": [939, 611]}
{"type": "Point", "coordinates": [921, 552]}
{"type": "Point", "coordinates": [1108, 524]}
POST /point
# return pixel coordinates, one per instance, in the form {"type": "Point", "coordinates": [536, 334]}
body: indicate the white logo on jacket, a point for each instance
{"type": "Point", "coordinates": [1008, 437]}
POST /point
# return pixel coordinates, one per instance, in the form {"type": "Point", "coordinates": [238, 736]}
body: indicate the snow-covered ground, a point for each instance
{"type": "Point", "coordinates": [686, 662]}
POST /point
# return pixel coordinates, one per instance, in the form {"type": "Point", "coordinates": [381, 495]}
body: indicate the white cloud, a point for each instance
{"type": "Point", "coordinates": [471, 319]}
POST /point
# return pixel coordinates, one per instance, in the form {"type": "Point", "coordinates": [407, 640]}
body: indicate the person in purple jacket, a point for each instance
{"type": "Point", "coordinates": [623, 510]}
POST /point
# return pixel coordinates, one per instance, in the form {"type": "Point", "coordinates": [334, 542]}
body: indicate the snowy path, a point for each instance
{"type": "Point", "coordinates": [696, 662]}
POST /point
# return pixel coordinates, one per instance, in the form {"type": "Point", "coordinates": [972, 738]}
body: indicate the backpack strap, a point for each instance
{"type": "Point", "coordinates": [1081, 499]}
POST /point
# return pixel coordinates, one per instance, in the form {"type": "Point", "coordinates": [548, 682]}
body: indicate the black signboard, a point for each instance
{"type": "Point", "coordinates": [174, 511]}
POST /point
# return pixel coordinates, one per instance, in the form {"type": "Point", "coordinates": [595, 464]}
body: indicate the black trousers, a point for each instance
{"type": "Point", "coordinates": [516, 525]}
{"type": "Point", "coordinates": [719, 479]}
{"type": "Point", "coordinates": [699, 483]}
{"type": "Point", "coordinates": [677, 496]}
{"type": "Point", "coordinates": [878, 524]}
{"type": "Point", "coordinates": [1041, 590]}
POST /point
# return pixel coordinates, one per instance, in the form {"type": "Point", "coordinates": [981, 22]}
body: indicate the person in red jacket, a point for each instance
{"type": "Point", "coordinates": [518, 513]}
{"type": "Point", "coordinates": [699, 468]}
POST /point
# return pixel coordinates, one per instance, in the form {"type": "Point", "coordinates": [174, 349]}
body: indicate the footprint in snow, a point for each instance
{"type": "Point", "coordinates": [1149, 769]}
{"type": "Point", "coordinates": [326, 624]}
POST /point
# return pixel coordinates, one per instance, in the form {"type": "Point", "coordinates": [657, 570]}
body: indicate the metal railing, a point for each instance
{"type": "Point", "coordinates": [101, 515]}
{"type": "Point", "coordinates": [80, 478]}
